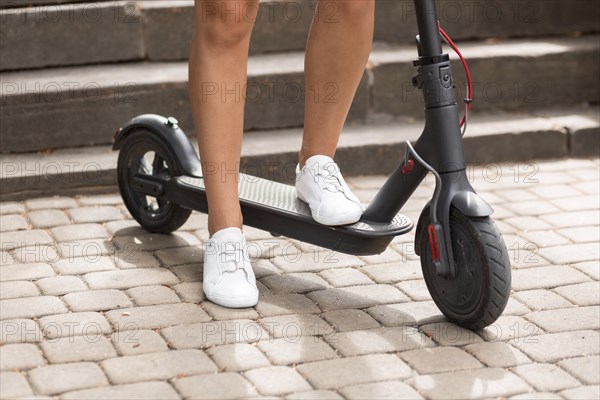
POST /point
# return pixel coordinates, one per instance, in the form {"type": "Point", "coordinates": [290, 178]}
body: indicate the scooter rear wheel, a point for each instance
{"type": "Point", "coordinates": [479, 292]}
{"type": "Point", "coordinates": [143, 154]}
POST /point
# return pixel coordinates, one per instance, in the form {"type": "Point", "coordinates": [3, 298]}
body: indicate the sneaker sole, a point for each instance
{"type": "Point", "coordinates": [235, 302]}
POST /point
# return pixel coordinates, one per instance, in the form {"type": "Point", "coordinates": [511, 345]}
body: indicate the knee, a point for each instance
{"type": "Point", "coordinates": [353, 10]}
{"type": "Point", "coordinates": [225, 23]}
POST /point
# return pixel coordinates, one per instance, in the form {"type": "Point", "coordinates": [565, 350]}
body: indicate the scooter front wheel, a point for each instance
{"type": "Point", "coordinates": [479, 292]}
{"type": "Point", "coordinates": [143, 154]}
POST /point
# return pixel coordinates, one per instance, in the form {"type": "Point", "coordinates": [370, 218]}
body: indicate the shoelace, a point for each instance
{"type": "Point", "coordinates": [331, 181]}
{"type": "Point", "coordinates": [232, 257]}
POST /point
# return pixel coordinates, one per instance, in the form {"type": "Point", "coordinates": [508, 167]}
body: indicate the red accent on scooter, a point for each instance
{"type": "Point", "coordinates": [408, 167]}
{"type": "Point", "coordinates": [454, 47]}
{"type": "Point", "coordinates": [433, 243]}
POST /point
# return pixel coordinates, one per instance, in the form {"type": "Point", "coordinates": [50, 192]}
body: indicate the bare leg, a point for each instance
{"type": "Point", "coordinates": [338, 49]}
{"type": "Point", "coordinates": [218, 63]}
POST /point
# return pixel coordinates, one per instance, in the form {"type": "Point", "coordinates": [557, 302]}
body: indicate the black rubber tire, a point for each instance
{"type": "Point", "coordinates": [172, 216]}
{"type": "Point", "coordinates": [478, 294]}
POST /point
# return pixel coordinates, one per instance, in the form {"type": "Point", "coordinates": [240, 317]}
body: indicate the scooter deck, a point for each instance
{"type": "Point", "coordinates": [274, 207]}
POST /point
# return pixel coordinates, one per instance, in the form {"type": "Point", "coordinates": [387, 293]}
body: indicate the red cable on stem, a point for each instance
{"type": "Point", "coordinates": [469, 98]}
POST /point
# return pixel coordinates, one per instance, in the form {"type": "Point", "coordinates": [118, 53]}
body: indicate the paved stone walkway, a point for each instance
{"type": "Point", "coordinates": [94, 307]}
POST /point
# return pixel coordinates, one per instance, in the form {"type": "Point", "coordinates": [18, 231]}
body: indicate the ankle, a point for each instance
{"type": "Point", "coordinates": [303, 156]}
{"type": "Point", "coordinates": [219, 224]}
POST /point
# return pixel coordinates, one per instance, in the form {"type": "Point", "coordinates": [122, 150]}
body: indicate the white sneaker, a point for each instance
{"type": "Point", "coordinates": [229, 280]}
{"type": "Point", "coordinates": [321, 185]}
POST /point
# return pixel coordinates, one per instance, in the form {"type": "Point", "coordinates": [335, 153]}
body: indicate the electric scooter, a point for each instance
{"type": "Point", "coordinates": [463, 255]}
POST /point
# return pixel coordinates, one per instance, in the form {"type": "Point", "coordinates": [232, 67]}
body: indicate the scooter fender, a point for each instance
{"type": "Point", "coordinates": [456, 192]}
{"type": "Point", "coordinates": [168, 131]}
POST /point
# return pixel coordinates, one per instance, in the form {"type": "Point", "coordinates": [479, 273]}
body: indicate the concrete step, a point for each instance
{"type": "Point", "coordinates": [507, 74]}
{"type": "Point", "coordinates": [153, 30]}
{"type": "Point", "coordinates": [372, 148]}
{"type": "Point", "coordinates": [70, 34]}
{"type": "Point", "coordinates": [468, 20]}
{"type": "Point", "coordinates": [160, 30]}
{"type": "Point", "coordinates": [284, 25]}
{"type": "Point", "coordinates": [38, 3]}
{"type": "Point", "coordinates": [81, 106]}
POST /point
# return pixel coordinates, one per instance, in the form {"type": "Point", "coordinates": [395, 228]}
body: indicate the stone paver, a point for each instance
{"type": "Point", "coordinates": [94, 307]}
{"type": "Point", "coordinates": [90, 249]}
{"type": "Point", "coordinates": [153, 295]}
{"type": "Point", "coordinates": [84, 265]}
{"type": "Point", "coordinates": [582, 392]}
{"type": "Point", "coordinates": [59, 285]}
{"type": "Point", "coordinates": [317, 261]}
{"type": "Point", "coordinates": [14, 385]}
{"type": "Point", "coordinates": [546, 377]}
{"type": "Point", "coordinates": [286, 351]}
{"type": "Point", "coordinates": [129, 278]}
{"type": "Point", "coordinates": [20, 356]}
{"type": "Point", "coordinates": [18, 272]}
{"type": "Point", "coordinates": [295, 325]}
{"type": "Point", "coordinates": [20, 331]}
{"type": "Point", "coordinates": [47, 218]}
{"type": "Point", "coordinates": [590, 268]}
{"type": "Point", "coordinates": [54, 379]}
{"type": "Point", "coordinates": [238, 357]}
{"type": "Point", "coordinates": [12, 223]}
{"type": "Point", "coordinates": [350, 320]}
{"type": "Point", "coordinates": [357, 297]}
{"type": "Point", "coordinates": [413, 313]}
{"type": "Point", "coordinates": [69, 233]}
{"type": "Point", "coordinates": [281, 304]}
{"type": "Point", "coordinates": [342, 372]}
{"type": "Point", "coordinates": [95, 214]}
{"type": "Point", "coordinates": [583, 294]}
{"type": "Point", "coordinates": [273, 381]}
{"type": "Point", "coordinates": [379, 340]}
{"type": "Point", "coordinates": [151, 317]}
{"type": "Point", "coordinates": [15, 239]}
{"type": "Point", "coordinates": [157, 366]}
{"type": "Point", "coordinates": [314, 395]}
{"type": "Point", "coordinates": [73, 324]}
{"type": "Point", "coordinates": [6, 258]}
{"type": "Point", "coordinates": [218, 312]}
{"type": "Point", "coordinates": [540, 299]}
{"type": "Point", "coordinates": [381, 390]}
{"type": "Point", "coordinates": [50, 202]}
{"type": "Point", "coordinates": [546, 277]}
{"type": "Point", "coordinates": [145, 390]}
{"type": "Point", "coordinates": [31, 307]}
{"type": "Point", "coordinates": [10, 207]}
{"type": "Point", "coordinates": [393, 272]}
{"type": "Point", "coordinates": [213, 333]}
{"type": "Point", "coordinates": [138, 342]}
{"type": "Point", "coordinates": [136, 259]}
{"type": "Point", "coordinates": [439, 359]}
{"type": "Point", "coordinates": [97, 300]}
{"type": "Point", "coordinates": [16, 289]}
{"type": "Point", "coordinates": [449, 334]}
{"type": "Point", "coordinates": [295, 283]}
{"type": "Point", "coordinates": [586, 369]}
{"type": "Point", "coordinates": [181, 255]}
{"type": "Point", "coordinates": [480, 383]}
{"type": "Point", "coordinates": [497, 354]}
{"type": "Point", "coordinates": [567, 319]}
{"type": "Point", "coordinates": [341, 277]}
{"type": "Point", "coordinates": [227, 385]}
{"type": "Point", "coordinates": [38, 253]}
{"type": "Point", "coordinates": [78, 348]}
{"type": "Point", "coordinates": [556, 346]}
